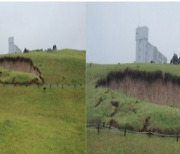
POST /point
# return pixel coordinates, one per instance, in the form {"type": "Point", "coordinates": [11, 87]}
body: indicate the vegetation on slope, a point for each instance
{"type": "Point", "coordinates": [51, 120]}
{"type": "Point", "coordinates": [61, 66]}
{"type": "Point", "coordinates": [36, 121]}
{"type": "Point", "coordinates": [115, 142]}
{"type": "Point", "coordinates": [16, 77]}
{"type": "Point", "coordinates": [130, 111]}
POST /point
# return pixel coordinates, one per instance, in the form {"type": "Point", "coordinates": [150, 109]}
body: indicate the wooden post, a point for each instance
{"type": "Point", "coordinates": [125, 130]}
{"type": "Point", "coordinates": [62, 86]}
{"type": "Point", "coordinates": [177, 137]}
{"type": "Point", "coordinates": [98, 127]}
{"type": "Point", "coordinates": [150, 133]}
{"type": "Point", "coordinates": [103, 124]}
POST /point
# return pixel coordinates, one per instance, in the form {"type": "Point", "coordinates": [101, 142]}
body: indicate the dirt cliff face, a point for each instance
{"type": "Point", "coordinates": [160, 90]}
{"type": "Point", "coordinates": [20, 64]}
{"type": "Point", "coordinates": [155, 92]}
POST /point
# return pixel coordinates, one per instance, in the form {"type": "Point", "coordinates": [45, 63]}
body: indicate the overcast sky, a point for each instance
{"type": "Point", "coordinates": [41, 25]}
{"type": "Point", "coordinates": [111, 29]}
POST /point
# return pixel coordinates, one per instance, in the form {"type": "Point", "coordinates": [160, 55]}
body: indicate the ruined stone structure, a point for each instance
{"type": "Point", "coordinates": [146, 52]}
{"type": "Point", "coordinates": [12, 47]}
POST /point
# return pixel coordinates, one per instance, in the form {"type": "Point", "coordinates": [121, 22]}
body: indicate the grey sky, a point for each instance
{"type": "Point", "coordinates": [111, 29]}
{"type": "Point", "coordinates": [40, 25]}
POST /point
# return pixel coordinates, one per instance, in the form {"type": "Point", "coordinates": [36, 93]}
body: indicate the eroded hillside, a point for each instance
{"type": "Point", "coordinates": [19, 70]}
{"type": "Point", "coordinates": [156, 87]}
{"type": "Point", "coordinates": [141, 97]}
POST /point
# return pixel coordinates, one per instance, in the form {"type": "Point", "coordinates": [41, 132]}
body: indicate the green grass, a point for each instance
{"type": "Point", "coordinates": [61, 66]}
{"type": "Point", "coordinates": [131, 111]}
{"type": "Point", "coordinates": [115, 142]}
{"type": "Point", "coordinates": [20, 77]}
{"type": "Point", "coordinates": [52, 121]}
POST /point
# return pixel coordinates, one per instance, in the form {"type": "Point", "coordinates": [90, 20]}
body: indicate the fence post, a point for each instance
{"type": "Point", "coordinates": [103, 124]}
{"type": "Point", "coordinates": [150, 133]}
{"type": "Point", "coordinates": [125, 130]}
{"type": "Point", "coordinates": [98, 127]}
{"type": "Point", "coordinates": [177, 137]}
{"type": "Point", "coordinates": [62, 86]}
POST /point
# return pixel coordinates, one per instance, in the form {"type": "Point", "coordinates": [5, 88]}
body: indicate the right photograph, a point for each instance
{"type": "Point", "coordinates": [133, 78]}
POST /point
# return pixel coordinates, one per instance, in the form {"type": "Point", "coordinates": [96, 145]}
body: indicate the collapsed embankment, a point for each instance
{"type": "Point", "coordinates": [21, 64]}
{"type": "Point", "coordinates": [156, 87]}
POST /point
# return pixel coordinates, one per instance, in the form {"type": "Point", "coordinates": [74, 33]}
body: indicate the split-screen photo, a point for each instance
{"type": "Point", "coordinates": [89, 78]}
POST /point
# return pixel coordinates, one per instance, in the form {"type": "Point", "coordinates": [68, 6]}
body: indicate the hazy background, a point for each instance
{"type": "Point", "coordinates": [40, 25]}
{"type": "Point", "coordinates": [111, 30]}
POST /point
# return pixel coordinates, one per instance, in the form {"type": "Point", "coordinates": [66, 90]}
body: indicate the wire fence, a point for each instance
{"type": "Point", "coordinates": [125, 130]}
{"type": "Point", "coordinates": [63, 86]}
{"type": "Point", "coordinates": [49, 85]}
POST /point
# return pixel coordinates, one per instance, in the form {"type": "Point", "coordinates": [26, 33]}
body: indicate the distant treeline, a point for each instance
{"type": "Point", "coordinates": [54, 48]}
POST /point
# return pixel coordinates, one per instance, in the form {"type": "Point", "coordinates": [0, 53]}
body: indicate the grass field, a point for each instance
{"type": "Point", "coordinates": [115, 142]}
{"type": "Point", "coordinates": [131, 111]}
{"type": "Point", "coordinates": [7, 75]}
{"type": "Point", "coordinates": [36, 121]}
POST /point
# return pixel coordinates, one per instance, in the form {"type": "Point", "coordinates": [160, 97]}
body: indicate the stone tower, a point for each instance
{"type": "Point", "coordinates": [12, 47]}
{"type": "Point", "coordinates": [141, 44]}
{"type": "Point", "coordinates": [11, 44]}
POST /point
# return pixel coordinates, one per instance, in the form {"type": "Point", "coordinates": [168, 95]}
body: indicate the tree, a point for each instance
{"type": "Point", "coordinates": [54, 47]}
{"type": "Point", "coordinates": [174, 59]}
{"type": "Point", "coordinates": [25, 50]}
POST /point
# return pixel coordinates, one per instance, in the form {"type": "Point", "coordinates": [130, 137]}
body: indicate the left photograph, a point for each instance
{"type": "Point", "coordinates": [42, 78]}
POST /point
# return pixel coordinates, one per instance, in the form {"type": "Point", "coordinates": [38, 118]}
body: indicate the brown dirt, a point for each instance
{"type": "Point", "coordinates": [156, 87]}
{"type": "Point", "coordinates": [18, 65]}
{"type": "Point", "coordinates": [155, 92]}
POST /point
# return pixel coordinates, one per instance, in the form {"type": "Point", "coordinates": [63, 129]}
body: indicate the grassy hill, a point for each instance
{"type": "Point", "coordinates": [7, 76]}
{"type": "Point", "coordinates": [64, 66]}
{"type": "Point", "coordinates": [115, 142]}
{"type": "Point", "coordinates": [34, 120]}
{"type": "Point", "coordinates": [131, 111]}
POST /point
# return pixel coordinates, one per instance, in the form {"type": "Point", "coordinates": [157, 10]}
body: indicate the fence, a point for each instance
{"type": "Point", "coordinates": [125, 130]}
{"type": "Point", "coordinates": [50, 85]}
{"type": "Point", "coordinates": [63, 85]}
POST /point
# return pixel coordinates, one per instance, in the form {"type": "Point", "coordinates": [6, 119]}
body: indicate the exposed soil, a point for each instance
{"type": "Point", "coordinates": [20, 64]}
{"type": "Point", "coordinates": [156, 87]}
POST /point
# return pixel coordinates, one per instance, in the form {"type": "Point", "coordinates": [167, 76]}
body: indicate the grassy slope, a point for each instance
{"type": "Point", "coordinates": [115, 143]}
{"type": "Point", "coordinates": [64, 66]}
{"type": "Point", "coordinates": [21, 77]}
{"type": "Point", "coordinates": [166, 118]}
{"type": "Point", "coordinates": [36, 121]}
